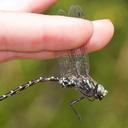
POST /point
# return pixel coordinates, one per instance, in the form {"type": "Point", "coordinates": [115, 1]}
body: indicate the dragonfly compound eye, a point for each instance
{"type": "Point", "coordinates": [101, 91]}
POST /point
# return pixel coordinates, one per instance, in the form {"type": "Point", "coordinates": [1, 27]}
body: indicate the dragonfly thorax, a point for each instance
{"type": "Point", "coordinates": [86, 85]}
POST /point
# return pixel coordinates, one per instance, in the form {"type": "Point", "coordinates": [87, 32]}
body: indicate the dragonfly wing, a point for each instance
{"type": "Point", "coordinates": [74, 62]}
{"type": "Point", "coordinates": [61, 12]}
{"type": "Point", "coordinates": [66, 65]}
{"type": "Point", "coordinates": [75, 11]}
{"type": "Point", "coordinates": [81, 60]}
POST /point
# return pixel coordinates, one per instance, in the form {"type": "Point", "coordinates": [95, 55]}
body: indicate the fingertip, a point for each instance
{"type": "Point", "coordinates": [103, 31]}
{"type": "Point", "coordinates": [105, 25]}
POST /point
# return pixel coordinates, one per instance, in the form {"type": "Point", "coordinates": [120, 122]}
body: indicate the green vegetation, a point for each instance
{"type": "Point", "coordinates": [46, 106]}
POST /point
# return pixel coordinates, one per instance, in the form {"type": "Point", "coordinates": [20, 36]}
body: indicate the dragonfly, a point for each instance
{"type": "Point", "coordinates": [74, 71]}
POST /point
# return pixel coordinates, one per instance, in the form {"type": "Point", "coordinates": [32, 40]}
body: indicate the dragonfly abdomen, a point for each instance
{"type": "Point", "coordinates": [27, 85]}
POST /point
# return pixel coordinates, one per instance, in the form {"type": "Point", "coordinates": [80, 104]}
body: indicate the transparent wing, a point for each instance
{"type": "Point", "coordinates": [75, 62]}
{"type": "Point", "coordinates": [75, 11]}
{"type": "Point", "coordinates": [81, 60]}
{"type": "Point", "coordinates": [61, 12]}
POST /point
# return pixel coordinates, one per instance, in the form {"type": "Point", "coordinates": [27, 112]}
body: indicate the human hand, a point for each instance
{"type": "Point", "coordinates": [24, 34]}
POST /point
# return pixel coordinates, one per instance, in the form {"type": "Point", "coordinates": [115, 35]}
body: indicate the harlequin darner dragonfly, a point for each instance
{"type": "Point", "coordinates": [74, 68]}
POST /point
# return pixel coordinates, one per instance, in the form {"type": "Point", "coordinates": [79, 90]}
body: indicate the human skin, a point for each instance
{"type": "Point", "coordinates": [26, 34]}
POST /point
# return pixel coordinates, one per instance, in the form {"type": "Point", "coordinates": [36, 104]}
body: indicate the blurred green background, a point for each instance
{"type": "Point", "coordinates": [46, 106]}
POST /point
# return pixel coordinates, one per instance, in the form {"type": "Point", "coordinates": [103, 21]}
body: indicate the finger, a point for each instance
{"type": "Point", "coordinates": [8, 55]}
{"type": "Point", "coordinates": [35, 32]}
{"type": "Point", "coordinates": [25, 5]}
{"type": "Point", "coordinates": [103, 31]}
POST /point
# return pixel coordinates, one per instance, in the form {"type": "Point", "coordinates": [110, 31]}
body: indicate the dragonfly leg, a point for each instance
{"type": "Point", "coordinates": [73, 103]}
{"type": "Point", "coordinates": [91, 99]}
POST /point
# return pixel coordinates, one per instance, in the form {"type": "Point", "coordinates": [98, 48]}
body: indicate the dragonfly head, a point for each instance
{"type": "Point", "coordinates": [100, 92]}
